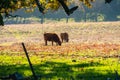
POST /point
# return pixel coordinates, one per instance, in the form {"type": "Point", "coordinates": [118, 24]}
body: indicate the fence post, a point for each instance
{"type": "Point", "coordinates": [35, 77]}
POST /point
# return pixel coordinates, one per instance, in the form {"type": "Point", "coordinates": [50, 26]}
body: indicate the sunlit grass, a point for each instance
{"type": "Point", "coordinates": [60, 66]}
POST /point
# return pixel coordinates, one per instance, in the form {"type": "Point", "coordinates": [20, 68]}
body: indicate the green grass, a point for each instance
{"type": "Point", "coordinates": [58, 66]}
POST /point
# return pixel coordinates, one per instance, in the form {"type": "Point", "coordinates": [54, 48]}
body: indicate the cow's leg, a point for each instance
{"type": "Point", "coordinates": [62, 39]}
{"type": "Point", "coordinates": [45, 42]}
{"type": "Point", "coordinates": [52, 43]}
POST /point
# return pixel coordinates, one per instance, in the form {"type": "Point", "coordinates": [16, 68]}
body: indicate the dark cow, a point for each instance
{"type": "Point", "coordinates": [52, 37]}
{"type": "Point", "coordinates": [64, 37]}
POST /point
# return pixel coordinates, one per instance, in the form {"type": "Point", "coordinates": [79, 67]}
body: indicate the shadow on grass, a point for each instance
{"type": "Point", "coordinates": [60, 71]}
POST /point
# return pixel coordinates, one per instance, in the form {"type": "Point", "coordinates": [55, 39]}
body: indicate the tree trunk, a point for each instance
{"type": "Point", "coordinates": [67, 19]}
{"type": "Point", "coordinates": [1, 20]}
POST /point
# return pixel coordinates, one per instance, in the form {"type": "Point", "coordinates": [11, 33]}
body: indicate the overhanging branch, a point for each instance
{"type": "Point", "coordinates": [41, 9]}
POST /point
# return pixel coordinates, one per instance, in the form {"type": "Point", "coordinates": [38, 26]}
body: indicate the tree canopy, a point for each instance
{"type": "Point", "coordinates": [7, 6]}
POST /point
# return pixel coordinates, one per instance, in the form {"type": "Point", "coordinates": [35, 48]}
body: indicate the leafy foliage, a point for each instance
{"type": "Point", "coordinates": [12, 5]}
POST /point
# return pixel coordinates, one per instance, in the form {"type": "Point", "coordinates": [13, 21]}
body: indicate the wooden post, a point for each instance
{"type": "Point", "coordinates": [35, 78]}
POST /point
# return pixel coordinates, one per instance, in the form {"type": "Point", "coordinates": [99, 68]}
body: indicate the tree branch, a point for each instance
{"type": "Point", "coordinates": [41, 9]}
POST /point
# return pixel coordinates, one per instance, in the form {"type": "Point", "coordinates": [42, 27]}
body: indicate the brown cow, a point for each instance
{"type": "Point", "coordinates": [64, 37]}
{"type": "Point", "coordinates": [52, 37]}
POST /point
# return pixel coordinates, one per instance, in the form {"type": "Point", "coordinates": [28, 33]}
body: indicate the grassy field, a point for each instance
{"type": "Point", "coordinates": [93, 52]}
